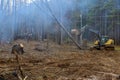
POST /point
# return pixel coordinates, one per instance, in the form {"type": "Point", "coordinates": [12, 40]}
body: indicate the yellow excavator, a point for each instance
{"type": "Point", "coordinates": [103, 42]}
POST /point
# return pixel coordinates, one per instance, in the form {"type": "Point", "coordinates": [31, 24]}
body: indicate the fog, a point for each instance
{"type": "Point", "coordinates": [34, 14]}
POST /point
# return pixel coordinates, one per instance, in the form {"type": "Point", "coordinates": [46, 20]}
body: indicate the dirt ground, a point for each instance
{"type": "Point", "coordinates": [49, 61]}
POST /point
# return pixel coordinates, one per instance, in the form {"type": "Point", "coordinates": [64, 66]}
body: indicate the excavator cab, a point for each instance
{"type": "Point", "coordinates": [103, 40]}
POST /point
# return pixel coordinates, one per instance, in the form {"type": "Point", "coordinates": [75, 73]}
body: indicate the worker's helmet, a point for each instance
{"type": "Point", "coordinates": [21, 45]}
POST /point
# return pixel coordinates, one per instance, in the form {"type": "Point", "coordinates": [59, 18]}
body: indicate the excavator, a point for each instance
{"type": "Point", "coordinates": [103, 42]}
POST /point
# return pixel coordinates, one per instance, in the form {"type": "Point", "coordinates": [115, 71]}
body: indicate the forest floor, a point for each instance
{"type": "Point", "coordinates": [49, 61]}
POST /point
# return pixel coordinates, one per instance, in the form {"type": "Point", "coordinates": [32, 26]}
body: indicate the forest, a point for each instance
{"type": "Point", "coordinates": [22, 18]}
{"type": "Point", "coordinates": [59, 39]}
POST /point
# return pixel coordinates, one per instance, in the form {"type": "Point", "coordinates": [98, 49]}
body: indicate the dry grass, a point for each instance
{"type": "Point", "coordinates": [59, 62]}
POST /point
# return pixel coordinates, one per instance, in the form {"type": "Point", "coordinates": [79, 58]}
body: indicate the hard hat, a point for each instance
{"type": "Point", "coordinates": [21, 45]}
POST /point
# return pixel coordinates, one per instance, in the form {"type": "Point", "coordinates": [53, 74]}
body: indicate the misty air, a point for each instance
{"type": "Point", "coordinates": [59, 39]}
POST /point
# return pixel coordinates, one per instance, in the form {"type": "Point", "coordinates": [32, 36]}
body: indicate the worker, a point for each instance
{"type": "Point", "coordinates": [17, 49]}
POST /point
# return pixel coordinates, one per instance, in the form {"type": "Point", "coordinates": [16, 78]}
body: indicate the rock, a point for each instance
{"type": "Point", "coordinates": [2, 77]}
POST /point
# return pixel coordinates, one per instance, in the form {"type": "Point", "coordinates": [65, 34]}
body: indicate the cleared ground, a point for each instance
{"type": "Point", "coordinates": [49, 61]}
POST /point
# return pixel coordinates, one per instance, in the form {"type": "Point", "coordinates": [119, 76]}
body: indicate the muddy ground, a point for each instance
{"type": "Point", "coordinates": [49, 61]}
